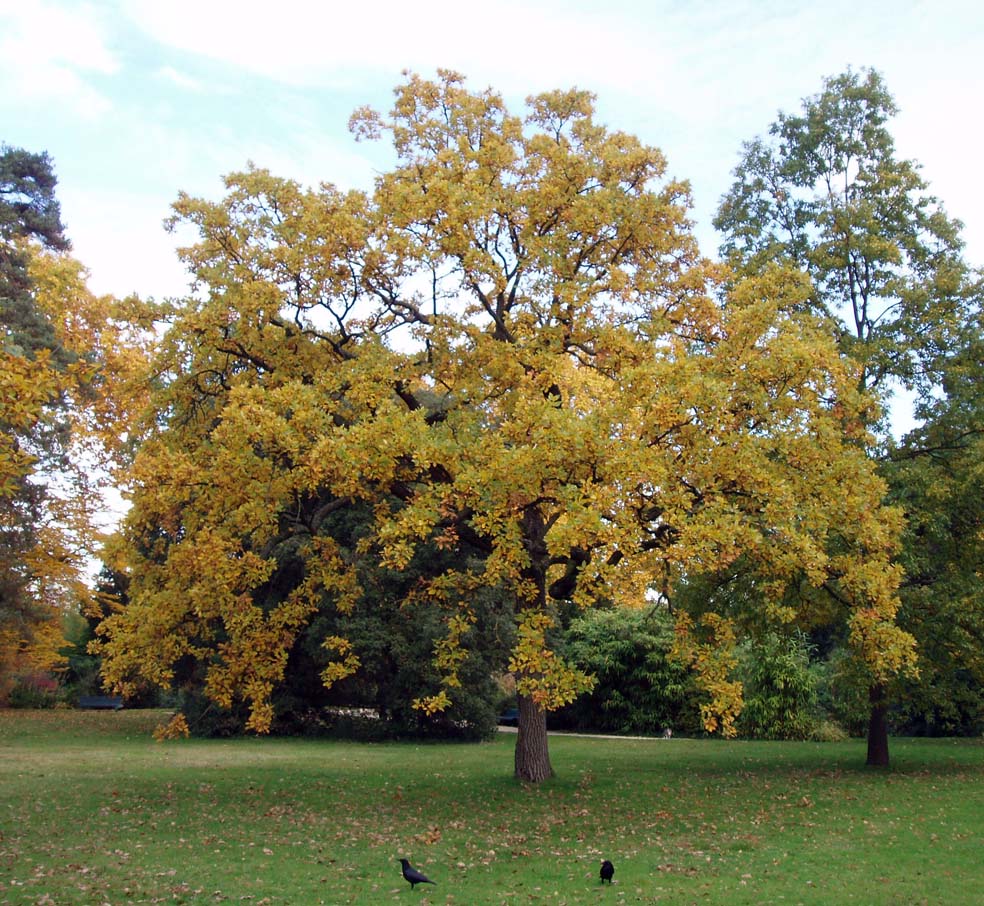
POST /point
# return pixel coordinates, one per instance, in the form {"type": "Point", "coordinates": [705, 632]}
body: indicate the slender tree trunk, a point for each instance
{"type": "Point", "coordinates": [878, 728]}
{"type": "Point", "coordinates": [532, 755]}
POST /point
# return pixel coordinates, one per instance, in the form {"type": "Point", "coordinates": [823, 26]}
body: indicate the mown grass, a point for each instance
{"type": "Point", "coordinates": [93, 811]}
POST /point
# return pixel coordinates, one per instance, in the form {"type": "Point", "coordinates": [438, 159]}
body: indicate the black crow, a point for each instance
{"type": "Point", "coordinates": [607, 870]}
{"type": "Point", "coordinates": [414, 876]}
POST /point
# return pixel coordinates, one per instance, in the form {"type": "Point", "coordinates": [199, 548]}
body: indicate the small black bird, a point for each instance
{"type": "Point", "coordinates": [607, 870]}
{"type": "Point", "coordinates": [414, 876]}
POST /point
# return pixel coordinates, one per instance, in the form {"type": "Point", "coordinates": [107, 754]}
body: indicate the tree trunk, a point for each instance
{"type": "Point", "coordinates": [878, 728]}
{"type": "Point", "coordinates": [532, 755]}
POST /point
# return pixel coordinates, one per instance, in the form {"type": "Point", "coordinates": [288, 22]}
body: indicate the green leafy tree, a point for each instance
{"type": "Point", "coordinates": [827, 193]}
{"type": "Point", "coordinates": [936, 475]}
{"type": "Point", "coordinates": [29, 211]}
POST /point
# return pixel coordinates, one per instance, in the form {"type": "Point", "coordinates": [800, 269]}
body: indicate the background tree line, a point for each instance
{"type": "Point", "coordinates": [400, 442]}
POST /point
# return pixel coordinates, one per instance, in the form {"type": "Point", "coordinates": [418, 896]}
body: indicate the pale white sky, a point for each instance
{"type": "Point", "coordinates": [136, 100]}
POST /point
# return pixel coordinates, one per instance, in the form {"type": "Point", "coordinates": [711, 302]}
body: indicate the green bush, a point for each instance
{"type": "Point", "coordinates": [842, 691]}
{"type": "Point", "coordinates": [639, 688]}
{"type": "Point", "coordinates": [205, 718]}
{"type": "Point", "coordinates": [81, 674]}
{"type": "Point", "coordinates": [941, 704]}
{"type": "Point", "coordinates": [779, 688]}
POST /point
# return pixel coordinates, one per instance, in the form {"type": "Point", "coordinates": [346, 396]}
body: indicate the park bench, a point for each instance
{"type": "Point", "coordinates": [101, 702]}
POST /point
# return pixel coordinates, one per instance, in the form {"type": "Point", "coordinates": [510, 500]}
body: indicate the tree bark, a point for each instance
{"type": "Point", "coordinates": [878, 728]}
{"type": "Point", "coordinates": [532, 754]}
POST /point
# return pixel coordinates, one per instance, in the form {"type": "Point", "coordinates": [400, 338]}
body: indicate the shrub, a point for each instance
{"type": "Point", "coordinates": [842, 690]}
{"type": "Point", "coordinates": [639, 688]}
{"type": "Point", "coordinates": [828, 731]}
{"type": "Point", "coordinates": [36, 689]}
{"type": "Point", "coordinates": [780, 691]}
{"type": "Point", "coordinates": [205, 718]}
{"type": "Point", "coordinates": [941, 703]}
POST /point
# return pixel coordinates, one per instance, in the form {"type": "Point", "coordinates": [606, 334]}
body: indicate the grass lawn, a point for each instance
{"type": "Point", "coordinates": [93, 811]}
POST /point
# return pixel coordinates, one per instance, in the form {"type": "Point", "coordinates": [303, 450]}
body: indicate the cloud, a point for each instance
{"type": "Point", "coordinates": [120, 238]}
{"type": "Point", "coordinates": [179, 79]}
{"type": "Point", "coordinates": [316, 45]}
{"type": "Point", "coordinates": [47, 53]}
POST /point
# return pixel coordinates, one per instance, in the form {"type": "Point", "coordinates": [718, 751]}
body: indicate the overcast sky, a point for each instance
{"type": "Point", "coordinates": [136, 100]}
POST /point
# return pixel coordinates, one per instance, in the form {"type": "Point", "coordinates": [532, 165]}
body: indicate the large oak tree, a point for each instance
{"type": "Point", "coordinates": [512, 345]}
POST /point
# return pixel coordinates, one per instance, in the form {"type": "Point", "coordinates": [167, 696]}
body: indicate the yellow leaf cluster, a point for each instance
{"type": "Point", "coordinates": [432, 704]}
{"type": "Point", "coordinates": [540, 674]}
{"type": "Point", "coordinates": [344, 665]}
{"type": "Point", "coordinates": [176, 728]}
{"type": "Point", "coordinates": [709, 649]}
{"type": "Point", "coordinates": [83, 391]}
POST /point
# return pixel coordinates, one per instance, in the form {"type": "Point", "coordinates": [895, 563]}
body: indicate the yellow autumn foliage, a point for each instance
{"type": "Point", "coordinates": [512, 344]}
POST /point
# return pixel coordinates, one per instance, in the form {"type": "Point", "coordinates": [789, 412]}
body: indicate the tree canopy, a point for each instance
{"type": "Point", "coordinates": [827, 192]}
{"type": "Point", "coordinates": [510, 344]}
